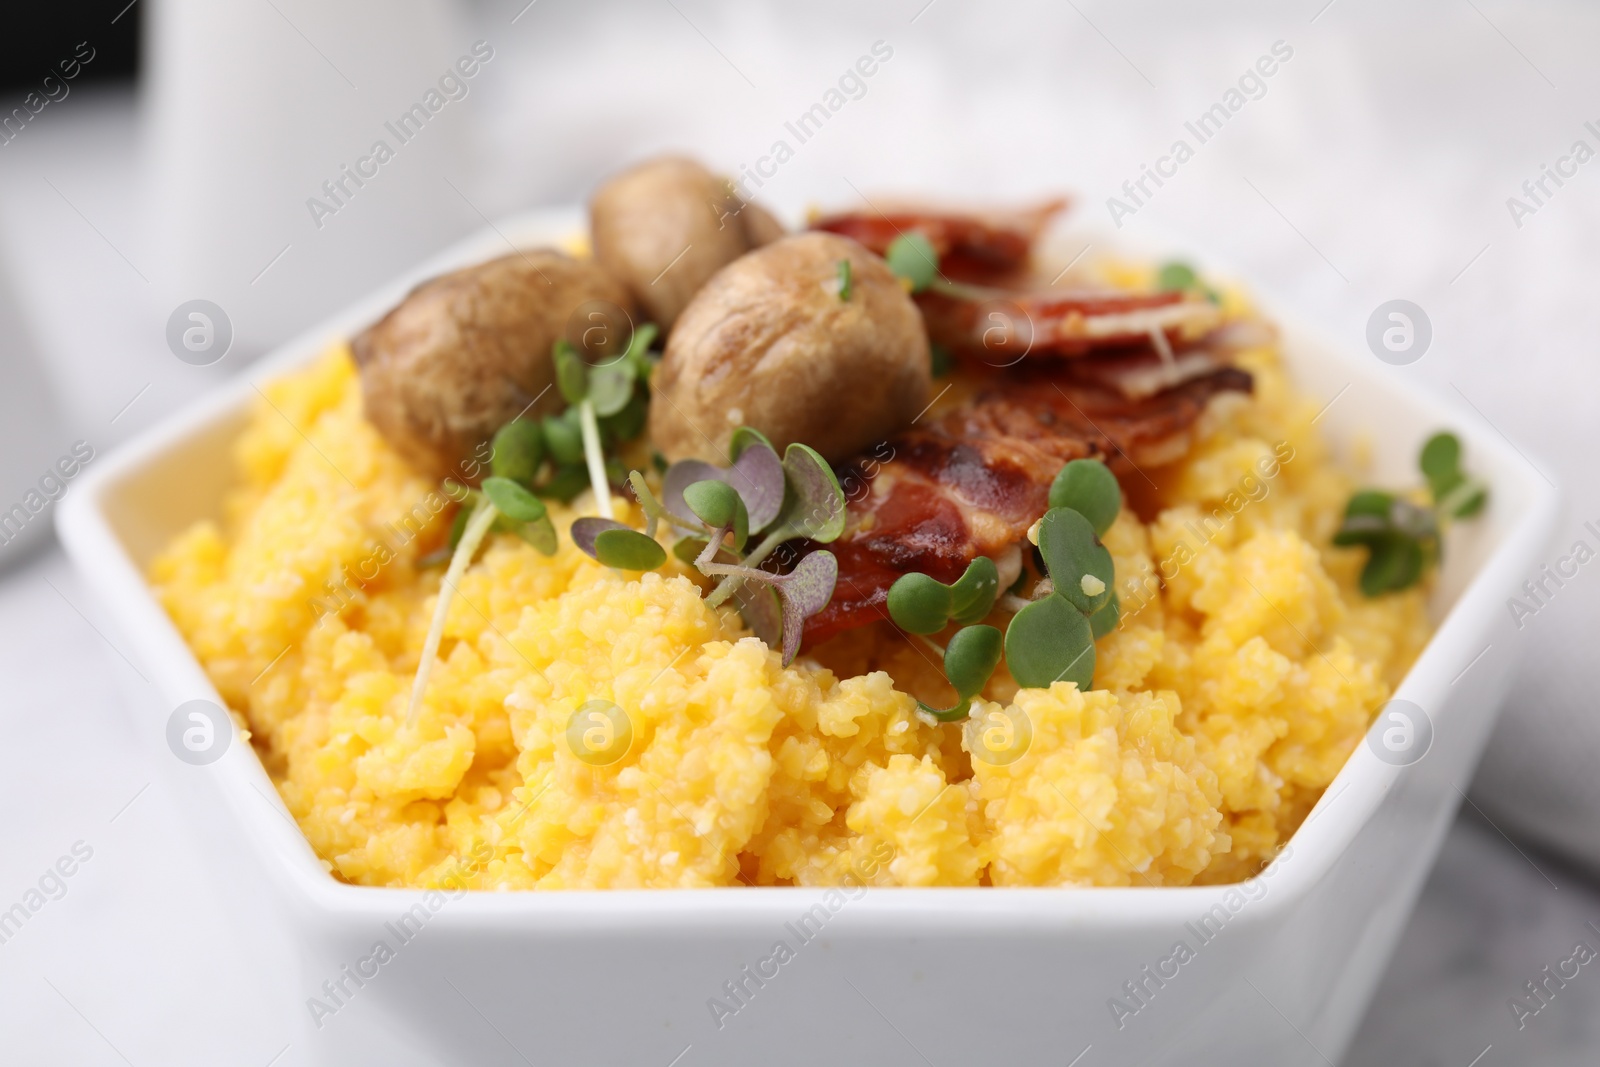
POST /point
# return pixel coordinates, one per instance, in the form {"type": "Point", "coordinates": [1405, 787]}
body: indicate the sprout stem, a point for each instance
{"type": "Point", "coordinates": [724, 588]}
{"type": "Point", "coordinates": [477, 529]}
{"type": "Point", "coordinates": [590, 424]}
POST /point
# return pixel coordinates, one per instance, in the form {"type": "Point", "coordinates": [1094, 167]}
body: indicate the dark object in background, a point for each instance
{"type": "Point", "coordinates": [38, 36]}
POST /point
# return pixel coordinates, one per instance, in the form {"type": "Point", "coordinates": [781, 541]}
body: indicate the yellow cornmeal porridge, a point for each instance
{"type": "Point", "coordinates": [1229, 698]}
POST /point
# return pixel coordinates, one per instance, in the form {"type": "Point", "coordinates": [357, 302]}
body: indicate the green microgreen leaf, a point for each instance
{"type": "Point", "coordinates": [1440, 461]}
{"type": "Point", "coordinates": [611, 386]}
{"type": "Point", "coordinates": [541, 534]}
{"type": "Point", "coordinates": [919, 604]}
{"type": "Point", "coordinates": [628, 423]}
{"type": "Point", "coordinates": [1088, 487]}
{"type": "Point", "coordinates": [1396, 563]}
{"type": "Point", "coordinates": [714, 502]}
{"type": "Point", "coordinates": [844, 281]}
{"type": "Point", "coordinates": [517, 451]}
{"type": "Point", "coordinates": [943, 361]}
{"type": "Point", "coordinates": [688, 549]}
{"type": "Point", "coordinates": [572, 373]}
{"type": "Point", "coordinates": [1105, 620]}
{"type": "Point", "coordinates": [513, 501]}
{"type": "Point", "coordinates": [563, 437]}
{"type": "Point", "coordinates": [969, 660]}
{"type": "Point", "coordinates": [638, 352]}
{"type": "Point", "coordinates": [628, 550]}
{"type": "Point", "coordinates": [585, 530]}
{"type": "Point", "coordinates": [1465, 500]}
{"type": "Point", "coordinates": [742, 438]}
{"type": "Point", "coordinates": [911, 256]}
{"type": "Point", "coordinates": [567, 482]}
{"type": "Point", "coordinates": [974, 593]}
{"type": "Point", "coordinates": [1079, 565]}
{"type": "Point", "coordinates": [1176, 275]}
{"type": "Point", "coordinates": [971, 657]}
{"type": "Point", "coordinates": [1050, 641]}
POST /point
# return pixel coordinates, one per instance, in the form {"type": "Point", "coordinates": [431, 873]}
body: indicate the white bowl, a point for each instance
{"type": "Point", "coordinates": [897, 976]}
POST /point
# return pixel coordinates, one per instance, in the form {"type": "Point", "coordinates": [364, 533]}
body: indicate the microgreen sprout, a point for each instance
{"type": "Point", "coordinates": [912, 258]}
{"type": "Point", "coordinates": [1178, 276]}
{"type": "Point", "coordinates": [969, 660]}
{"type": "Point", "coordinates": [1049, 639]}
{"type": "Point", "coordinates": [1403, 538]}
{"type": "Point", "coordinates": [476, 529]}
{"type": "Point", "coordinates": [844, 281]}
{"type": "Point", "coordinates": [606, 401]}
{"type": "Point", "coordinates": [717, 511]}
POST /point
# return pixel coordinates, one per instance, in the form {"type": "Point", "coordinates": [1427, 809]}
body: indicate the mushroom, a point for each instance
{"type": "Point", "coordinates": [467, 352]}
{"type": "Point", "coordinates": [773, 341]}
{"type": "Point", "coordinates": [666, 225]}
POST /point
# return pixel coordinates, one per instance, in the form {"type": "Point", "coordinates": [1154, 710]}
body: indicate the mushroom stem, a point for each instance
{"type": "Point", "coordinates": [471, 537]}
{"type": "Point", "coordinates": [596, 459]}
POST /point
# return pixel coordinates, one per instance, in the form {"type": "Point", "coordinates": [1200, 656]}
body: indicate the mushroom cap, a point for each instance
{"type": "Point", "coordinates": [466, 352]}
{"type": "Point", "coordinates": [664, 226]}
{"type": "Point", "coordinates": [769, 343]}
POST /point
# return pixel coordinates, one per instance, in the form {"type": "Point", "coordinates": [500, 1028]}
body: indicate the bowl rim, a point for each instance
{"type": "Point", "coordinates": [109, 570]}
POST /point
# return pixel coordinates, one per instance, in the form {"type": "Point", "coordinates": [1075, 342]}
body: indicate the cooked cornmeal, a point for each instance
{"type": "Point", "coordinates": [1244, 673]}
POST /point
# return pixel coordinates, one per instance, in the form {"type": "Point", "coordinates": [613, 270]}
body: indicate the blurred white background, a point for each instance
{"type": "Point", "coordinates": [1376, 165]}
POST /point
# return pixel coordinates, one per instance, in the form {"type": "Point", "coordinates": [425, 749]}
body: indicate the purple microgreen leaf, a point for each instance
{"type": "Point", "coordinates": [814, 505]}
{"type": "Point", "coordinates": [585, 530]}
{"type": "Point", "coordinates": [758, 604]}
{"type": "Point", "coordinates": [757, 474]}
{"type": "Point", "coordinates": [680, 476]}
{"type": "Point", "coordinates": [805, 591]}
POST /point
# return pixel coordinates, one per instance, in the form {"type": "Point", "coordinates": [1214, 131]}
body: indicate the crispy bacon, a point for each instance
{"type": "Point", "coordinates": [996, 314]}
{"type": "Point", "coordinates": [971, 482]}
{"type": "Point", "coordinates": [989, 248]}
{"type": "Point", "coordinates": [1001, 328]}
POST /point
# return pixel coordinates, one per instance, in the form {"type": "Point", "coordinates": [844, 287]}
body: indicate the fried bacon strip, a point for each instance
{"type": "Point", "coordinates": [970, 482]}
{"type": "Point", "coordinates": [1001, 328]}
{"type": "Point", "coordinates": [988, 248]}
{"type": "Point", "coordinates": [996, 314]}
